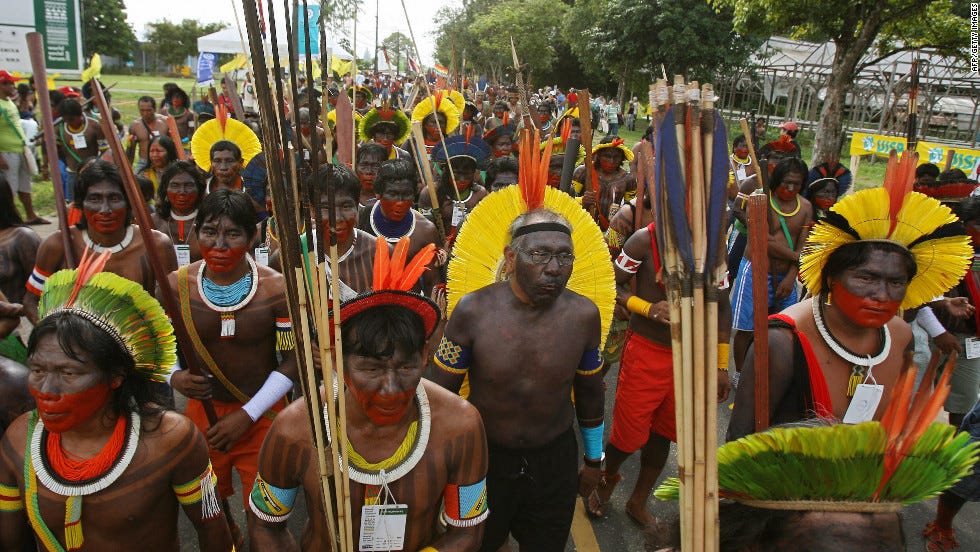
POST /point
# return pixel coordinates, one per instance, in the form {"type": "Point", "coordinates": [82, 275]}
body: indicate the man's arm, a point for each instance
{"type": "Point", "coordinates": [15, 533]}
{"type": "Point", "coordinates": [780, 376]}
{"type": "Point", "coordinates": [453, 355]}
{"type": "Point", "coordinates": [745, 188]}
{"type": "Point", "coordinates": [590, 404]}
{"type": "Point", "coordinates": [133, 141]}
{"type": "Point", "coordinates": [49, 258]}
{"type": "Point", "coordinates": [467, 476]}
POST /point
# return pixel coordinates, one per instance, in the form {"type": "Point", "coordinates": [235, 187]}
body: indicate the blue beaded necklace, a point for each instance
{"type": "Point", "coordinates": [392, 230]}
{"type": "Point", "coordinates": [226, 296]}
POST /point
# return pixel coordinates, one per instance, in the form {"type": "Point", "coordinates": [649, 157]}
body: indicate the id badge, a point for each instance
{"type": "Point", "coordinates": [457, 215]}
{"type": "Point", "coordinates": [183, 252]}
{"type": "Point", "coordinates": [156, 133]}
{"type": "Point", "coordinates": [864, 404]}
{"type": "Point", "coordinates": [79, 141]}
{"type": "Point", "coordinates": [383, 527]}
{"type": "Point", "coordinates": [191, 124]}
{"type": "Point", "coordinates": [972, 346]}
{"type": "Point", "coordinates": [262, 255]}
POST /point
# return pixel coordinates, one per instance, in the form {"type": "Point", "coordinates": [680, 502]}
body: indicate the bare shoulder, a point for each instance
{"type": "Point", "coordinates": [293, 423]}
{"type": "Point", "coordinates": [270, 277]}
{"type": "Point", "coordinates": [453, 413]}
{"type": "Point", "coordinates": [170, 427]}
{"type": "Point", "coordinates": [160, 239]}
{"type": "Point", "coordinates": [901, 332]}
{"type": "Point", "coordinates": [24, 234]}
{"type": "Point", "coordinates": [580, 305]}
{"type": "Point", "coordinates": [16, 434]}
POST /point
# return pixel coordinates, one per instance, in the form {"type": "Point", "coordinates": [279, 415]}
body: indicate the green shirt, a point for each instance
{"type": "Point", "coordinates": [12, 137]}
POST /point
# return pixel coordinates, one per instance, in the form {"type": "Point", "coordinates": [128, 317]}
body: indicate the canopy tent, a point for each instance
{"type": "Point", "coordinates": [228, 41]}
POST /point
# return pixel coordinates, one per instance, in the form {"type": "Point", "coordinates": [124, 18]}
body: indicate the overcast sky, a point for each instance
{"type": "Point", "coordinates": [391, 18]}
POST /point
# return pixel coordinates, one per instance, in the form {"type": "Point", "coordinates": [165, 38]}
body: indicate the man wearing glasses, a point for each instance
{"type": "Point", "coordinates": [526, 342]}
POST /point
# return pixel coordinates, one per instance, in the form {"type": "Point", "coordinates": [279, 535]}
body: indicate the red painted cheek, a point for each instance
{"type": "Point", "coordinates": [864, 311]}
{"type": "Point", "coordinates": [105, 222]}
{"type": "Point", "coordinates": [395, 210]}
{"type": "Point", "coordinates": [223, 260]}
{"type": "Point", "coordinates": [382, 409]}
{"type": "Point", "coordinates": [608, 166]}
{"type": "Point", "coordinates": [825, 203]}
{"type": "Point", "coordinates": [64, 412]}
{"type": "Point", "coordinates": [184, 202]}
{"type": "Point", "coordinates": [786, 195]}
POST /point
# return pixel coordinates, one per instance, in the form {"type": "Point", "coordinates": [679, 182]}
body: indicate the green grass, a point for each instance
{"type": "Point", "coordinates": [129, 88]}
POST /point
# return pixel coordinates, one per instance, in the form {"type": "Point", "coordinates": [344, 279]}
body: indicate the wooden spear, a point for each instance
{"type": "Point", "coordinates": [138, 205]}
{"type": "Point", "coordinates": [175, 136]}
{"type": "Point", "coordinates": [761, 177]}
{"type": "Point", "coordinates": [425, 172]}
{"type": "Point", "coordinates": [35, 48]}
{"type": "Point", "coordinates": [759, 248]}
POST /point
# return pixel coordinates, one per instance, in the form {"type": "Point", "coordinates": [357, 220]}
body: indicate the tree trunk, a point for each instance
{"type": "Point", "coordinates": [621, 88]}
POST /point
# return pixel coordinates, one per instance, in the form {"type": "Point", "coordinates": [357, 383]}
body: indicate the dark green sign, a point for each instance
{"type": "Point", "coordinates": [57, 21]}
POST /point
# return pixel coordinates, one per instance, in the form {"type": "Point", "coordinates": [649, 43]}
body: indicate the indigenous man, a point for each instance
{"type": "Point", "coordinates": [839, 354]}
{"type": "Point", "coordinates": [468, 118]}
{"type": "Point", "coordinates": [98, 465]}
{"type": "Point", "coordinates": [522, 390]}
{"type": "Point", "coordinates": [106, 225]}
{"type": "Point", "coordinates": [77, 137]}
{"type": "Point", "coordinates": [643, 418]}
{"type": "Point", "coordinates": [235, 312]}
{"type": "Point", "coordinates": [742, 181]}
{"type": "Point", "coordinates": [226, 166]}
{"type": "Point", "coordinates": [543, 112]}
{"type": "Point", "coordinates": [501, 172]}
{"type": "Point", "coordinates": [500, 137]}
{"type": "Point", "coordinates": [790, 217]}
{"type": "Point", "coordinates": [458, 193]}
{"type": "Point", "coordinates": [183, 116]}
{"type": "Point", "coordinates": [386, 126]}
{"type": "Point", "coordinates": [142, 130]}
{"type": "Point", "coordinates": [180, 194]}
{"type": "Point", "coordinates": [616, 186]}
{"type": "Point", "coordinates": [410, 442]}
{"type": "Point", "coordinates": [361, 96]}
{"type": "Point", "coordinates": [367, 162]}
{"type": "Point", "coordinates": [438, 116]}
{"type": "Point", "coordinates": [393, 218]}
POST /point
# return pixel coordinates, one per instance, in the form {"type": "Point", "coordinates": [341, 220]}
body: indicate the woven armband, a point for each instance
{"type": "Point", "coordinates": [926, 318]}
{"type": "Point", "coordinates": [591, 363]}
{"type": "Point", "coordinates": [466, 505]}
{"type": "Point", "coordinates": [723, 349]}
{"type": "Point", "coordinates": [202, 489]}
{"type": "Point", "coordinates": [627, 263]}
{"type": "Point", "coordinates": [35, 283]}
{"type": "Point", "coordinates": [11, 499]}
{"type": "Point", "coordinates": [275, 387]}
{"type": "Point", "coordinates": [453, 357]}
{"type": "Point", "coordinates": [614, 238]}
{"type": "Point", "coordinates": [284, 335]}
{"type": "Point", "coordinates": [592, 440]}
{"type": "Point", "coordinates": [270, 503]}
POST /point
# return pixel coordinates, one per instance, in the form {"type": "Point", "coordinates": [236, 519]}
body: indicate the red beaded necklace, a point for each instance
{"type": "Point", "coordinates": [82, 469]}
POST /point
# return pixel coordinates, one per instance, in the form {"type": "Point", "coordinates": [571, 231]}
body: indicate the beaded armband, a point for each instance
{"type": "Point", "coordinates": [11, 499]}
{"type": "Point", "coordinates": [466, 505]}
{"type": "Point", "coordinates": [627, 264]}
{"type": "Point", "coordinates": [591, 363]}
{"type": "Point", "coordinates": [614, 238]}
{"type": "Point", "coordinates": [270, 503]}
{"type": "Point", "coordinates": [453, 357]}
{"type": "Point", "coordinates": [35, 283]}
{"type": "Point", "coordinates": [201, 489]}
{"type": "Point", "coordinates": [285, 341]}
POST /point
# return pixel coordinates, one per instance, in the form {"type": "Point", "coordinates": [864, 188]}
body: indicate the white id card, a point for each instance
{"type": "Point", "coordinates": [457, 215]}
{"type": "Point", "coordinates": [191, 123]}
{"type": "Point", "coordinates": [183, 252]}
{"type": "Point", "coordinates": [79, 141]}
{"type": "Point", "coordinates": [156, 133]}
{"type": "Point", "coordinates": [262, 255]}
{"type": "Point", "coordinates": [864, 403]}
{"type": "Point", "coordinates": [972, 346]}
{"type": "Point", "coordinates": [383, 527]}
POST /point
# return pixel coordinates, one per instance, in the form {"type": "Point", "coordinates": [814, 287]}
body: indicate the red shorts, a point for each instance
{"type": "Point", "coordinates": [644, 395]}
{"type": "Point", "coordinates": [244, 456]}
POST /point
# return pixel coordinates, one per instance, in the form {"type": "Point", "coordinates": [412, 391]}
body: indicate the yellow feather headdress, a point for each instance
{"type": "Point", "coordinates": [920, 224]}
{"type": "Point", "coordinates": [444, 104]}
{"type": "Point", "coordinates": [223, 128]}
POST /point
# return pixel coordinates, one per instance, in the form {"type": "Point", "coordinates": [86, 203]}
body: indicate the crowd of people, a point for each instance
{"type": "Point", "coordinates": [462, 410]}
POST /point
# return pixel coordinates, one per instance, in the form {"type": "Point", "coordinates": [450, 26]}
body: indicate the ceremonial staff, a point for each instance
{"type": "Point", "coordinates": [138, 205]}
{"type": "Point", "coordinates": [35, 47]}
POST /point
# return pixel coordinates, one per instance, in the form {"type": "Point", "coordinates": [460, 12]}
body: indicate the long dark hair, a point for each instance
{"type": "Point", "coordinates": [167, 143]}
{"type": "Point", "coordinates": [175, 168]}
{"type": "Point", "coordinates": [9, 215]}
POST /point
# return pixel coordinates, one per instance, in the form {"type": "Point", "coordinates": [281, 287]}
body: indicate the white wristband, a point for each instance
{"type": "Point", "coordinates": [927, 319]}
{"type": "Point", "coordinates": [274, 388]}
{"type": "Point", "coordinates": [173, 369]}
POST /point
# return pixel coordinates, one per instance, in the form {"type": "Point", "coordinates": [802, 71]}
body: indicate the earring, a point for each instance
{"type": "Point", "coordinates": [830, 294]}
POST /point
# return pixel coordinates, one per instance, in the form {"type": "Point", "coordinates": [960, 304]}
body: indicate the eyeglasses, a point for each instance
{"type": "Point", "coordinates": [544, 257]}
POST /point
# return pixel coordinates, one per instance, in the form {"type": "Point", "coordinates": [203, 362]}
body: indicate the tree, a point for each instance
{"type": "Point", "coordinates": [631, 40]}
{"type": "Point", "coordinates": [399, 47]}
{"type": "Point", "coordinates": [864, 32]}
{"type": "Point", "coordinates": [174, 42]}
{"type": "Point", "coordinates": [104, 29]}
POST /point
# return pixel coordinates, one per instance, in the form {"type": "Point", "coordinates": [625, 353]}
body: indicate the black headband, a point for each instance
{"type": "Point", "coordinates": [542, 227]}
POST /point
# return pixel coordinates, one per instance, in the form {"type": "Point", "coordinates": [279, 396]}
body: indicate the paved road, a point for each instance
{"type": "Point", "coordinates": [618, 533]}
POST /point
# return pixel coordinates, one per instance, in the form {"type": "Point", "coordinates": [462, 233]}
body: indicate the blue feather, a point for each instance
{"type": "Point", "coordinates": [675, 188]}
{"type": "Point", "coordinates": [718, 192]}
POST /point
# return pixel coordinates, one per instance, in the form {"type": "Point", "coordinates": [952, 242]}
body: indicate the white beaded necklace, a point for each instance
{"type": "Point", "coordinates": [228, 313]}
{"type": "Point", "coordinates": [840, 350]}
{"type": "Point", "coordinates": [98, 248]}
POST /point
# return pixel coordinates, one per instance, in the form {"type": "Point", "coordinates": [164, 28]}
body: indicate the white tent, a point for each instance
{"type": "Point", "coordinates": [228, 41]}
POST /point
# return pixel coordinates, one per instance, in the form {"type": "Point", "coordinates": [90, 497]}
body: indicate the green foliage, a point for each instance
{"type": "Point", "coordinates": [173, 42]}
{"type": "Point", "coordinates": [399, 47]}
{"type": "Point", "coordinates": [338, 12]}
{"type": "Point", "coordinates": [104, 29]}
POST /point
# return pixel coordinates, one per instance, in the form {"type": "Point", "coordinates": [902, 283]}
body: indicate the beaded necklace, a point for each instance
{"type": "Point", "coordinates": [98, 248]}
{"type": "Point", "coordinates": [861, 365]}
{"type": "Point", "coordinates": [782, 214]}
{"type": "Point", "coordinates": [180, 220]}
{"type": "Point", "coordinates": [390, 229]}
{"type": "Point", "coordinates": [227, 300]}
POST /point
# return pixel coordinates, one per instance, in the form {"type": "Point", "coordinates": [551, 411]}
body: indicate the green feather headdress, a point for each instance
{"type": "Point", "coordinates": [385, 114]}
{"type": "Point", "coordinates": [118, 306]}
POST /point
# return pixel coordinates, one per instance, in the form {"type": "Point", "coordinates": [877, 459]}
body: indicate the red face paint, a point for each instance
{"type": "Point", "coordinates": [462, 184]}
{"type": "Point", "coordinates": [608, 166]}
{"type": "Point", "coordinates": [741, 153]}
{"type": "Point", "coordinates": [554, 179]}
{"type": "Point", "coordinates": [386, 143]}
{"type": "Point", "coordinates": [786, 195]}
{"type": "Point", "coordinates": [105, 222]}
{"type": "Point", "coordinates": [544, 118]}
{"type": "Point", "coordinates": [344, 229]}
{"type": "Point", "coordinates": [182, 202]}
{"type": "Point", "coordinates": [223, 260]}
{"type": "Point", "coordinates": [382, 409]}
{"type": "Point", "coordinates": [367, 181]}
{"type": "Point", "coordinates": [395, 210]}
{"type": "Point", "coordinates": [825, 203]}
{"type": "Point", "coordinates": [864, 311]}
{"type": "Point", "coordinates": [64, 412]}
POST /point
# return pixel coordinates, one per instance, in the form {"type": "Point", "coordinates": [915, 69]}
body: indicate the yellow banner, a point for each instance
{"type": "Point", "coordinates": [965, 159]}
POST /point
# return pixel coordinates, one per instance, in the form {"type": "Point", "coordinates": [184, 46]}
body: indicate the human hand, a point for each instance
{"type": "Point", "coordinates": [659, 312]}
{"type": "Point", "coordinates": [438, 297]}
{"type": "Point", "coordinates": [223, 435]}
{"type": "Point", "coordinates": [724, 385]}
{"type": "Point", "coordinates": [191, 386]}
{"type": "Point", "coordinates": [588, 199]}
{"type": "Point", "coordinates": [442, 256]}
{"type": "Point", "coordinates": [785, 287]}
{"type": "Point", "coordinates": [10, 314]}
{"type": "Point", "coordinates": [947, 343]}
{"type": "Point", "coordinates": [960, 307]}
{"type": "Point", "coordinates": [588, 480]}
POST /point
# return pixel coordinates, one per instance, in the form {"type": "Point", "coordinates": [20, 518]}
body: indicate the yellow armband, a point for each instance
{"type": "Point", "coordinates": [723, 356]}
{"type": "Point", "coordinates": [639, 306]}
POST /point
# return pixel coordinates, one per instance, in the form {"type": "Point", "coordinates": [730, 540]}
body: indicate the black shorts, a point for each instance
{"type": "Point", "coordinates": [531, 494]}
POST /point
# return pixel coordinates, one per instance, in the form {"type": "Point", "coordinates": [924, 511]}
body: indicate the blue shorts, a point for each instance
{"type": "Point", "coordinates": [742, 306]}
{"type": "Point", "coordinates": [968, 488]}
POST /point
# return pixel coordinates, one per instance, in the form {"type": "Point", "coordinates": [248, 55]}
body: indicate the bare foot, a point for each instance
{"type": "Point", "coordinates": [599, 499]}
{"type": "Point", "coordinates": [639, 513]}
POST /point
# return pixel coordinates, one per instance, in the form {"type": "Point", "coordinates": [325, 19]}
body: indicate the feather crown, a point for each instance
{"type": "Point", "coordinates": [388, 115]}
{"type": "Point", "coordinates": [223, 128]}
{"type": "Point", "coordinates": [922, 225]}
{"type": "Point", "coordinates": [437, 102]}
{"type": "Point", "coordinates": [120, 307]}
